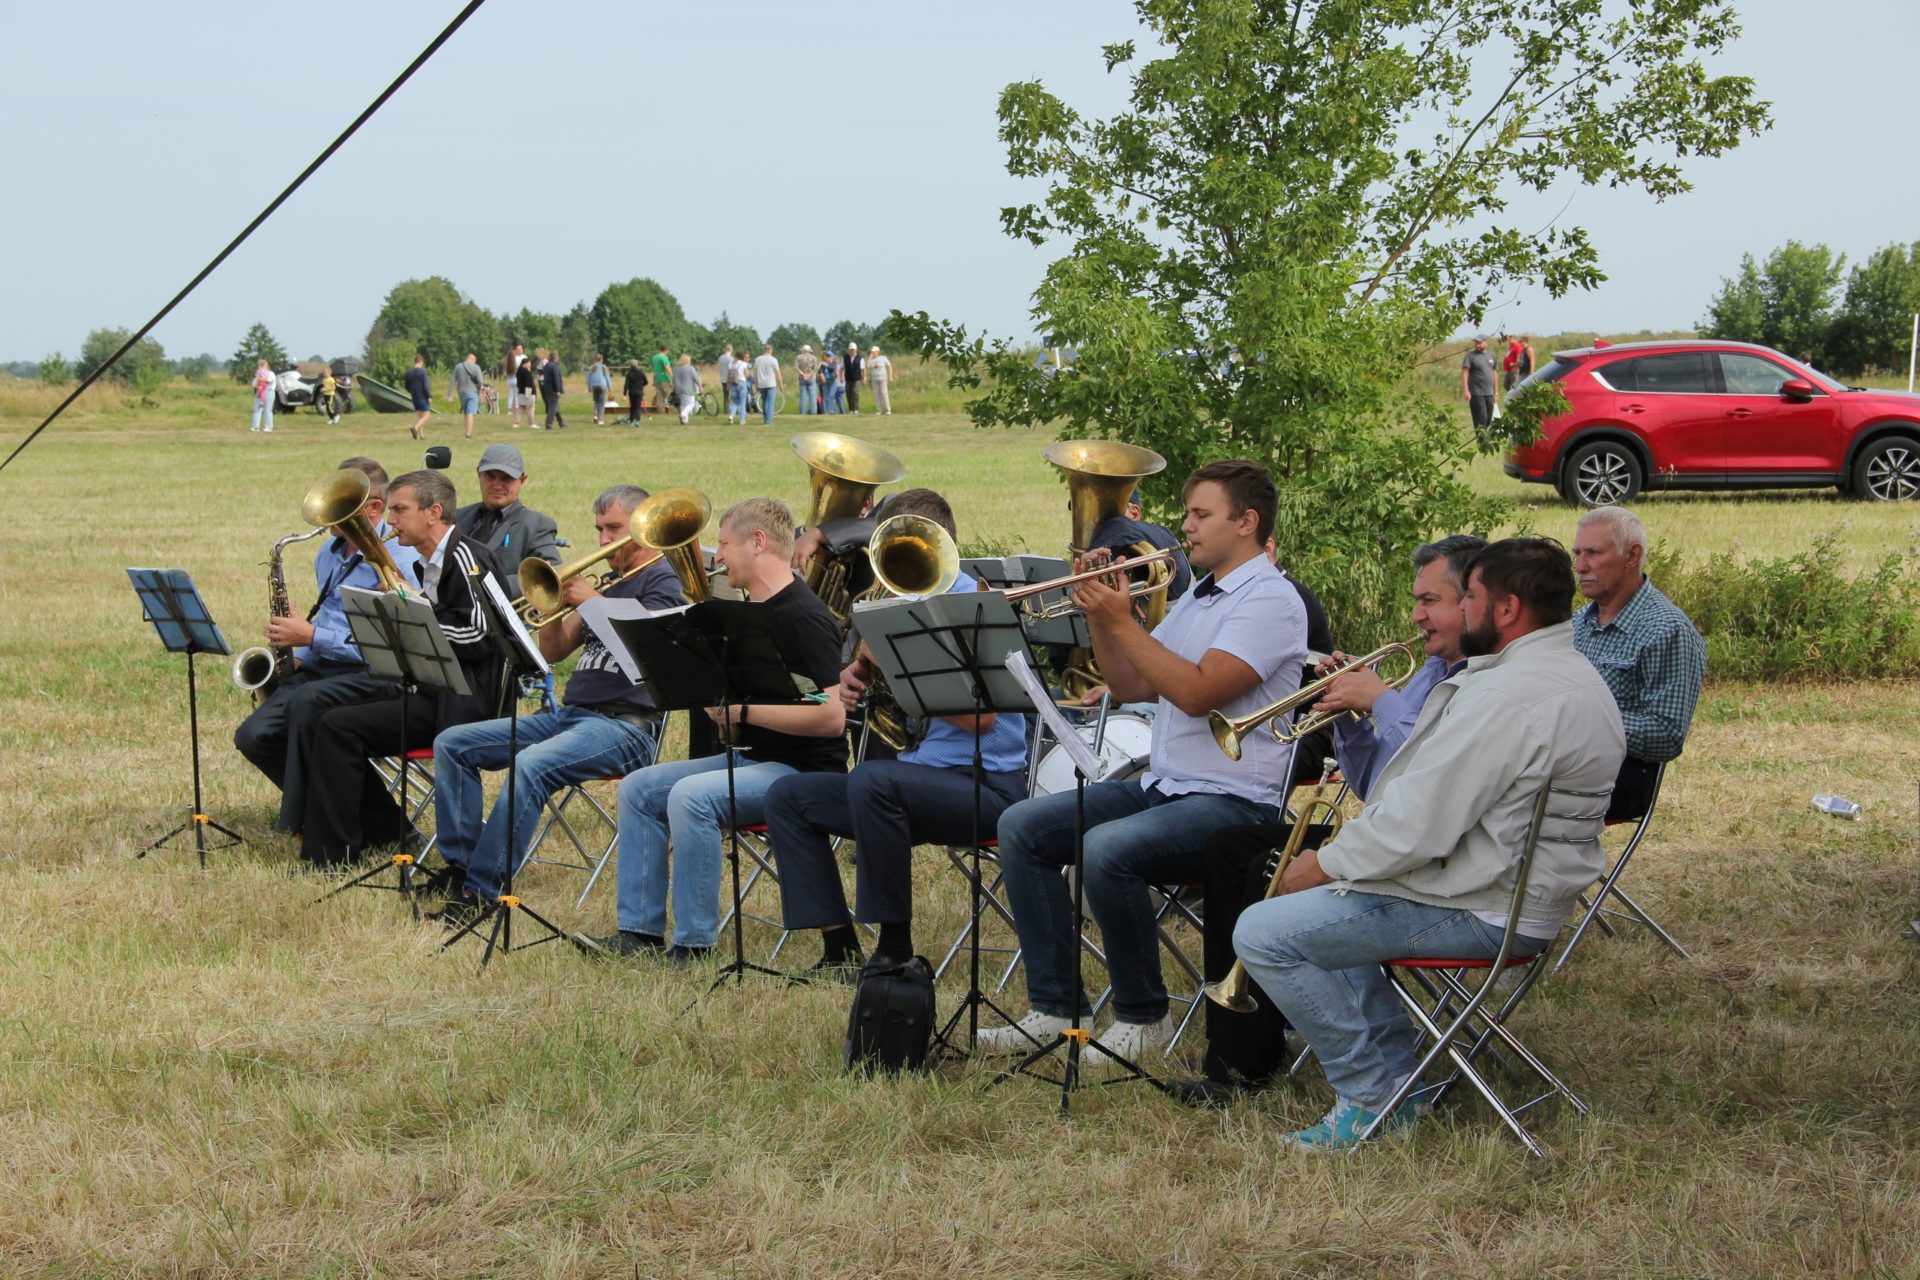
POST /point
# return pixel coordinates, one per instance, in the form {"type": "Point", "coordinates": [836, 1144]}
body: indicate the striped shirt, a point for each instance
{"type": "Point", "coordinates": [1653, 661]}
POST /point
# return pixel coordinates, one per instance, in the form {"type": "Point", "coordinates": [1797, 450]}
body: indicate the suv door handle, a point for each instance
{"type": "Point", "coordinates": [1633, 408]}
{"type": "Point", "coordinates": [1739, 413]}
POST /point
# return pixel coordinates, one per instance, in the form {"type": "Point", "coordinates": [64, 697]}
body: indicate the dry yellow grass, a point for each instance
{"type": "Point", "coordinates": [206, 1075]}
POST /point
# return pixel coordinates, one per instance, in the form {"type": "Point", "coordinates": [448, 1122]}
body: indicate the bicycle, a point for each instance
{"type": "Point", "coordinates": [779, 401]}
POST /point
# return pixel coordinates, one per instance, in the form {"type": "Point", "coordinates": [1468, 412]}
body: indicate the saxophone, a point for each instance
{"type": "Point", "coordinates": [257, 669]}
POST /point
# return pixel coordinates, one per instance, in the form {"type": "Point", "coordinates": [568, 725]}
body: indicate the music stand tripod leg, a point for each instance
{"type": "Point", "coordinates": [740, 966]}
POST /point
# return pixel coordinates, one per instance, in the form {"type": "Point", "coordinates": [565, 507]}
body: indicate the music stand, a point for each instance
{"type": "Point", "coordinates": [721, 653]}
{"type": "Point", "coordinates": [1074, 1038]}
{"type": "Point", "coordinates": [169, 600]}
{"type": "Point", "coordinates": [401, 641]}
{"type": "Point", "coordinates": [946, 655]}
{"type": "Point", "coordinates": [520, 655]}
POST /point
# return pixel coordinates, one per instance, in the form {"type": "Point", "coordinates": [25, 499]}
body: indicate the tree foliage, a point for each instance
{"type": "Point", "coordinates": [843, 332]}
{"type": "Point", "coordinates": [1786, 303]}
{"type": "Point", "coordinates": [789, 338]}
{"type": "Point", "coordinates": [1300, 198]}
{"type": "Point", "coordinates": [258, 344]}
{"type": "Point", "coordinates": [55, 371]}
{"type": "Point", "coordinates": [147, 355]}
{"type": "Point", "coordinates": [1874, 326]}
{"type": "Point", "coordinates": [724, 331]}
{"type": "Point", "coordinates": [439, 321]}
{"type": "Point", "coordinates": [631, 320]}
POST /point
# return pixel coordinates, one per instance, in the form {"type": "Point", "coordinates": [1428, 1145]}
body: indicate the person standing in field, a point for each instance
{"type": "Point", "coordinates": [880, 372]}
{"type": "Point", "coordinates": [551, 388]}
{"type": "Point", "coordinates": [262, 396]}
{"type": "Point", "coordinates": [467, 381]}
{"type": "Point", "coordinates": [725, 365]}
{"type": "Point", "coordinates": [1477, 386]}
{"type": "Point", "coordinates": [766, 380]}
{"type": "Point", "coordinates": [686, 387]}
{"type": "Point", "coordinates": [599, 382]}
{"type": "Point", "coordinates": [662, 379]}
{"type": "Point", "coordinates": [833, 385]}
{"type": "Point", "coordinates": [636, 390]}
{"type": "Point", "coordinates": [1517, 367]}
{"type": "Point", "coordinates": [851, 369]}
{"type": "Point", "coordinates": [523, 392]}
{"type": "Point", "coordinates": [807, 365]}
{"type": "Point", "coordinates": [421, 390]}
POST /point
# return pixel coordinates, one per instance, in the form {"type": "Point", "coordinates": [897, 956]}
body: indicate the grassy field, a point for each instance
{"type": "Point", "coordinates": [206, 1075]}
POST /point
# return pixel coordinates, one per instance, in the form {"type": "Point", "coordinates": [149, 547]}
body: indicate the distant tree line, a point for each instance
{"type": "Point", "coordinates": [1795, 302]}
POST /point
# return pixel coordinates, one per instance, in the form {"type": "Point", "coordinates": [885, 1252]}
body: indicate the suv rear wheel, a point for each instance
{"type": "Point", "coordinates": [1888, 470]}
{"type": "Point", "coordinates": [1604, 473]}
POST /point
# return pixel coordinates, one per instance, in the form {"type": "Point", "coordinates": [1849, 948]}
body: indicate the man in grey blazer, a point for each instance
{"type": "Point", "coordinates": [509, 529]}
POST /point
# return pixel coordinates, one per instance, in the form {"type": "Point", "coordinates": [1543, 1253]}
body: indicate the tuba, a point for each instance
{"type": "Point", "coordinates": [911, 556]}
{"type": "Point", "coordinates": [1101, 476]}
{"type": "Point", "coordinates": [339, 502]}
{"type": "Point", "coordinates": [842, 474]}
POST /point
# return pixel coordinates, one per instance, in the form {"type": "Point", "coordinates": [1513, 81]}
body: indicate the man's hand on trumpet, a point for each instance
{"type": "Point", "coordinates": [1304, 873]}
{"type": "Point", "coordinates": [1356, 690]}
{"type": "Point", "coordinates": [1104, 600]}
{"type": "Point", "coordinates": [578, 589]}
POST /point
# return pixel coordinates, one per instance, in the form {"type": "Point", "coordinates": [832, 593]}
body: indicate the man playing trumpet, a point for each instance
{"type": "Point", "coordinates": [1237, 641]}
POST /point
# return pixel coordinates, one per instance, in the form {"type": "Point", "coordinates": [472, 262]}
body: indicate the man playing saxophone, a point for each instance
{"type": "Point", "coordinates": [328, 670]}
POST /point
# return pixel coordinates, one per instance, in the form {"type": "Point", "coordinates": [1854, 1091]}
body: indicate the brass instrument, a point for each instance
{"type": "Point", "coordinates": [1101, 476]}
{"type": "Point", "coordinates": [1060, 608]}
{"type": "Point", "coordinates": [542, 584]}
{"type": "Point", "coordinates": [257, 667]}
{"type": "Point", "coordinates": [671, 522]}
{"type": "Point", "coordinates": [911, 556]}
{"type": "Point", "coordinates": [1229, 733]}
{"type": "Point", "coordinates": [1231, 992]}
{"type": "Point", "coordinates": [842, 474]}
{"type": "Point", "coordinates": [339, 503]}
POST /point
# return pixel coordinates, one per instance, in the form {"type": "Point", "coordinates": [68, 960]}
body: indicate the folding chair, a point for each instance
{"type": "Point", "coordinates": [756, 849]}
{"type": "Point", "coordinates": [419, 789]}
{"type": "Point", "coordinates": [592, 858]}
{"type": "Point", "coordinates": [1461, 1023]}
{"type": "Point", "coordinates": [1598, 911]}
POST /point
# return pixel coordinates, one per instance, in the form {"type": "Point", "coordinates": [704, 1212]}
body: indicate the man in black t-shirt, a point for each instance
{"type": "Point", "coordinates": [688, 799]}
{"type": "Point", "coordinates": [606, 726]}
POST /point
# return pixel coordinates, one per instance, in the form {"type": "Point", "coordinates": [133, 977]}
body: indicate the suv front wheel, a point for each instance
{"type": "Point", "coordinates": [1604, 473]}
{"type": "Point", "coordinates": [1888, 470]}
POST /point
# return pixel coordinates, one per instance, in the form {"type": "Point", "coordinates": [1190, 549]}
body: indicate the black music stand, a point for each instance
{"type": "Point", "coordinates": [1075, 1039]}
{"type": "Point", "coordinates": [401, 641]}
{"type": "Point", "coordinates": [520, 655]}
{"type": "Point", "coordinates": [946, 655]}
{"type": "Point", "coordinates": [169, 600]}
{"type": "Point", "coordinates": [722, 653]}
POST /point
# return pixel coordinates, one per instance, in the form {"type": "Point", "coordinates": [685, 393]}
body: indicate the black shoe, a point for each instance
{"type": "Point", "coordinates": [680, 956]}
{"type": "Point", "coordinates": [1216, 1095]}
{"type": "Point", "coordinates": [620, 945]}
{"type": "Point", "coordinates": [461, 910]}
{"type": "Point", "coordinates": [843, 969]}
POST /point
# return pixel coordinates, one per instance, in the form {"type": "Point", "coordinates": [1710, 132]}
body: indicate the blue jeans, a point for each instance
{"type": "Point", "coordinates": [1317, 954]}
{"type": "Point", "coordinates": [836, 396]}
{"type": "Point", "coordinates": [262, 407]}
{"type": "Point", "coordinates": [766, 404]}
{"type": "Point", "coordinates": [737, 395]}
{"type": "Point", "coordinates": [556, 748]}
{"type": "Point", "coordinates": [807, 398]}
{"type": "Point", "coordinates": [1135, 838]}
{"type": "Point", "coordinates": [688, 799]}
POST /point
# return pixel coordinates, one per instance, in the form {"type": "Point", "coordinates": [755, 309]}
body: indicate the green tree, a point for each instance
{"type": "Point", "coordinates": [531, 329]}
{"type": "Point", "coordinates": [575, 341]}
{"type": "Point", "coordinates": [1875, 324]}
{"type": "Point", "coordinates": [789, 338]}
{"type": "Point", "coordinates": [54, 370]}
{"type": "Point", "coordinates": [845, 331]}
{"type": "Point", "coordinates": [442, 323]}
{"type": "Point", "coordinates": [630, 320]}
{"type": "Point", "coordinates": [1785, 303]}
{"type": "Point", "coordinates": [389, 361]}
{"type": "Point", "coordinates": [102, 343]}
{"type": "Point", "coordinates": [1302, 197]}
{"type": "Point", "coordinates": [257, 345]}
{"type": "Point", "coordinates": [723, 332]}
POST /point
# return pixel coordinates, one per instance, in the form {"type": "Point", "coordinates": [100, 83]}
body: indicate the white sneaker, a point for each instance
{"type": "Point", "coordinates": [254, 427]}
{"type": "Point", "coordinates": [1035, 1031]}
{"type": "Point", "coordinates": [268, 430]}
{"type": "Point", "coordinates": [1132, 1041]}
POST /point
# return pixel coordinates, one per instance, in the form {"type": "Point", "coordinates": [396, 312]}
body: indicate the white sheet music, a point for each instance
{"type": "Point", "coordinates": [1078, 749]}
{"type": "Point", "coordinates": [600, 613]}
{"type": "Point", "coordinates": [523, 641]}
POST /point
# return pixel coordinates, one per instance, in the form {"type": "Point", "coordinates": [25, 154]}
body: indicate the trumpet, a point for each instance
{"type": "Point", "coordinates": [1229, 734]}
{"type": "Point", "coordinates": [543, 602]}
{"type": "Point", "coordinates": [668, 522]}
{"type": "Point", "coordinates": [1231, 992]}
{"type": "Point", "coordinates": [1060, 608]}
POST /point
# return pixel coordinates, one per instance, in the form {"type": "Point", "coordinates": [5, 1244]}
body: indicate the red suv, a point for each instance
{"type": "Point", "coordinates": [1716, 415]}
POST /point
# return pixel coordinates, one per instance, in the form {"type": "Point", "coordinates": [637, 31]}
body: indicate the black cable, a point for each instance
{"type": "Point", "coordinates": [251, 227]}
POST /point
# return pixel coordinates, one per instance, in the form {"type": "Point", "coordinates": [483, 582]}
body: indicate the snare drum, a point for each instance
{"type": "Point", "coordinates": [1123, 753]}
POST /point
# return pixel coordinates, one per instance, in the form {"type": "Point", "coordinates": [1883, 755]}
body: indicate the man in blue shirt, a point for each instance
{"type": "Point", "coordinates": [329, 671]}
{"type": "Point", "coordinates": [1643, 646]}
{"type": "Point", "coordinates": [925, 796]}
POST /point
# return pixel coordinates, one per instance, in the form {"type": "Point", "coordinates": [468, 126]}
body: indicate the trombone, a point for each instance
{"type": "Point", "coordinates": [1230, 734]}
{"type": "Point", "coordinates": [1232, 992]}
{"type": "Point", "coordinates": [1062, 607]}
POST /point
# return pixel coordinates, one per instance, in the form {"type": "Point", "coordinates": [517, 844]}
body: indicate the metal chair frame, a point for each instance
{"type": "Point", "coordinates": [592, 861]}
{"type": "Point", "coordinates": [1597, 911]}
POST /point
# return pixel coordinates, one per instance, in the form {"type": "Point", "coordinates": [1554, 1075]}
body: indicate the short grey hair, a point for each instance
{"type": "Point", "coordinates": [627, 497]}
{"type": "Point", "coordinates": [1458, 550]}
{"type": "Point", "coordinates": [1625, 527]}
{"type": "Point", "coordinates": [430, 488]}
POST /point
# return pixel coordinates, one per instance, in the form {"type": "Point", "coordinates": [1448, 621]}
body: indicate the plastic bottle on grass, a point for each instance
{"type": "Point", "coordinates": [1838, 806]}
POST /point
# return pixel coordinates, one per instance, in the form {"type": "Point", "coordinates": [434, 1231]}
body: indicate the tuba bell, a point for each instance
{"type": "Point", "coordinates": [339, 502]}
{"type": "Point", "coordinates": [1101, 475]}
{"type": "Point", "coordinates": [671, 522]}
{"type": "Point", "coordinates": [842, 474]}
{"type": "Point", "coordinates": [911, 556]}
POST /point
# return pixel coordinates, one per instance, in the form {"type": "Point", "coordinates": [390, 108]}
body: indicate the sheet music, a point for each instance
{"type": "Point", "coordinates": [1091, 767]}
{"type": "Point", "coordinates": [599, 615]}
{"type": "Point", "coordinates": [523, 640]}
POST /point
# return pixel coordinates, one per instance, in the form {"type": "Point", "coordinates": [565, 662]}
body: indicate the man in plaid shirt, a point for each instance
{"type": "Point", "coordinates": [1643, 645]}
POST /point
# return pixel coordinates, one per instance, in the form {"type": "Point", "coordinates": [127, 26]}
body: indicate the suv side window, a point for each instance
{"type": "Point", "coordinates": [1671, 373]}
{"type": "Point", "coordinates": [1747, 375]}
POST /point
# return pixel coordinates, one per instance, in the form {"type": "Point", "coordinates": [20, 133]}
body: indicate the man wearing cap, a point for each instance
{"type": "Point", "coordinates": [506, 528]}
{"type": "Point", "coordinates": [852, 366]}
{"type": "Point", "coordinates": [807, 365]}
{"type": "Point", "coordinates": [879, 371]}
{"type": "Point", "coordinates": [1477, 381]}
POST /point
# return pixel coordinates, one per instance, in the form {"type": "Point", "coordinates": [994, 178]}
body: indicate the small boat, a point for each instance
{"type": "Point", "coordinates": [383, 398]}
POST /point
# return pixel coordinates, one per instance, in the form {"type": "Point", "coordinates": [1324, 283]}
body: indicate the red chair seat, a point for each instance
{"type": "Point", "coordinates": [420, 753]}
{"type": "Point", "coordinates": [748, 828]}
{"type": "Point", "coordinates": [1425, 962]}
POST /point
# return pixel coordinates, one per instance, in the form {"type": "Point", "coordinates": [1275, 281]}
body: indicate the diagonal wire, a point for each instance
{"type": "Point", "coordinates": [426, 53]}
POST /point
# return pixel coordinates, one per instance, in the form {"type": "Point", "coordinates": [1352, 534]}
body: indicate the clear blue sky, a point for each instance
{"type": "Point", "coordinates": [750, 163]}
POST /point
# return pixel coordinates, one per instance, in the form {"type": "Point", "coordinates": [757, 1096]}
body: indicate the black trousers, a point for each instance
{"type": "Point", "coordinates": [270, 737]}
{"type": "Point", "coordinates": [853, 396]}
{"type": "Point", "coordinates": [349, 808]}
{"type": "Point", "coordinates": [888, 807]}
{"type": "Point", "coordinates": [1243, 1048]}
{"type": "Point", "coordinates": [1632, 790]}
{"type": "Point", "coordinates": [553, 411]}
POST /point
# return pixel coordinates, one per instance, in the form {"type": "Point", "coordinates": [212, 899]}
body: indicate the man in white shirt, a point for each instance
{"type": "Point", "coordinates": [1235, 642]}
{"type": "Point", "coordinates": [879, 370]}
{"type": "Point", "coordinates": [1427, 867]}
{"type": "Point", "coordinates": [767, 380]}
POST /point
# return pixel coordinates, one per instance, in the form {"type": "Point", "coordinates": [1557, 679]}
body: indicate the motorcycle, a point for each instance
{"type": "Point", "coordinates": [291, 388]}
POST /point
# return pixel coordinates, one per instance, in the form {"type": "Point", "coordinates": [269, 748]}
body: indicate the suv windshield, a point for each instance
{"type": "Point", "coordinates": [1552, 371]}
